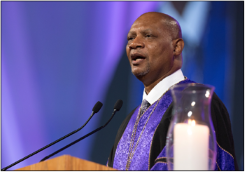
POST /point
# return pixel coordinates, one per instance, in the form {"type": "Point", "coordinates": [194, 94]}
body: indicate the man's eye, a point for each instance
{"type": "Point", "coordinates": [130, 38]}
{"type": "Point", "coordinates": [148, 35]}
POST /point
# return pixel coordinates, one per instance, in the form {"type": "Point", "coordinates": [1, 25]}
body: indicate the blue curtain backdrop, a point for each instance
{"type": "Point", "coordinates": [59, 58]}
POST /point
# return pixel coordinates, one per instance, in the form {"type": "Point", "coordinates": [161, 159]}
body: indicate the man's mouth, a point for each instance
{"type": "Point", "coordinates": [137, 58]}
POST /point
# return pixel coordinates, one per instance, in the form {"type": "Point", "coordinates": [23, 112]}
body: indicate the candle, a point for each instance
{"type": "Point", "coordinates": [191, 145]}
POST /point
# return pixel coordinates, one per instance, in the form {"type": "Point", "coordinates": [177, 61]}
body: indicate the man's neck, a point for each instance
{"type": "Point", "coordinates": [162, 86]}
{"type": "Point", "coordinates": [149, 87]}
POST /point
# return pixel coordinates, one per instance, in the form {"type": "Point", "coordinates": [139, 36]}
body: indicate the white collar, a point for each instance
{"type": "Point", "coordinates": [163, 86]}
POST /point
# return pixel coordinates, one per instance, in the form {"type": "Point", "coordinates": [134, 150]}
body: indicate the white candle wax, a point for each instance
{"type": "Point", "coordinates": [191, 145]}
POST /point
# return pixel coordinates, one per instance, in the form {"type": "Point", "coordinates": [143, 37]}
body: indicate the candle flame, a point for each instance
{"type": "Point", "coordinates": [191, 122]}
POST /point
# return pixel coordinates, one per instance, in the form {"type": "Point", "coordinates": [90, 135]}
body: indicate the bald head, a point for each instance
{"type": "Point", "coordinates": [168, 23]}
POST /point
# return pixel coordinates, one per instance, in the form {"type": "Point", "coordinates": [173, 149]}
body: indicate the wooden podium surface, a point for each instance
{"type": "Point", "coordinates": [66, 162]}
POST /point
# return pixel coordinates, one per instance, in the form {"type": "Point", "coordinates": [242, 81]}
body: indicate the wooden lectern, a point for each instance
{"type": "Point", "coordinates": [66, 162]}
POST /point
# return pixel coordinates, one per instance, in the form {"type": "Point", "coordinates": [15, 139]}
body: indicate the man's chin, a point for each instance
{"type": "Point", "coordinates": [139, 73]}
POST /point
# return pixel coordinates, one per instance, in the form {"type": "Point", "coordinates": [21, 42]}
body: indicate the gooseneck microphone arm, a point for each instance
{"type": "Point", "coordinates": [96, 108]}
{"type": "Point", "coordinates": [117, 107]}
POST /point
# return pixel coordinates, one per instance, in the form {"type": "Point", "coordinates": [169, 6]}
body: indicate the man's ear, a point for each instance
{"type": "Point", "coordinates": [178, 46]}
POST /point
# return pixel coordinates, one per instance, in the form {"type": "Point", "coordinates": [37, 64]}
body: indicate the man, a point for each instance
{"type": "Point", "coordinates": [154, 51]}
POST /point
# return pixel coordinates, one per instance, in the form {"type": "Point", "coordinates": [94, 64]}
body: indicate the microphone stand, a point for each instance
{"type": "Point", "coordinates": [95, 110]}
{"type": "Point", "coordinates": [92, 132]}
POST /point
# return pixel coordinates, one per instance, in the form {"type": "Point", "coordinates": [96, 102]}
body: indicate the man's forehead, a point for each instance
{"type": "Point", "coordinates": [144, 20]}
{"type": "Point", "coordinates": [141, 29]}
{"type": "Point", "coordinates": [145, 25]}
{"type": "Point", "coordinates": [155, 17]}
{"type": "Point", "coordinates": [156, 22]}
{"type": "Point", "coordinates": [148, 19]}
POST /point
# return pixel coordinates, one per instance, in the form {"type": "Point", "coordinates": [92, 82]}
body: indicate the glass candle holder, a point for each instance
{"type": "Point", "coordinates": [191, 140]}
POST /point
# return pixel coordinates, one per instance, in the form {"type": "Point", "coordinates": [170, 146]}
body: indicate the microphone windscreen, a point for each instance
{"type": "Point", "coordinates": [118, 105]}
{"type": "Point", "coordinates": [97, 107]}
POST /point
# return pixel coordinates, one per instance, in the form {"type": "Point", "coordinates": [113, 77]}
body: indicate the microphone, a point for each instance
{"type": "Point", "coordinates": [117, 107]}
{"type": "Point", "coordinates": [95, 109]}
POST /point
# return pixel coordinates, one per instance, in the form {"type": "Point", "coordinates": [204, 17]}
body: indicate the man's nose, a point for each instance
{"type": "Point", "coordinates": [136, 43]}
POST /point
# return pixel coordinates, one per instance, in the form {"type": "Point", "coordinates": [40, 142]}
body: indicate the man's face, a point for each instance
{"type": "Point", "coordinates": [149, 49]}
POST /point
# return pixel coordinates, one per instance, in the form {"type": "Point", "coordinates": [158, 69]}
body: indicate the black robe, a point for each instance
{"type": "Point", "coordinates": [221, 122]}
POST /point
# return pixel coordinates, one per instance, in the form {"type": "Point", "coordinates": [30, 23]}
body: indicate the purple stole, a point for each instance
{"type": "Point", "coordinates": [140, 159]}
